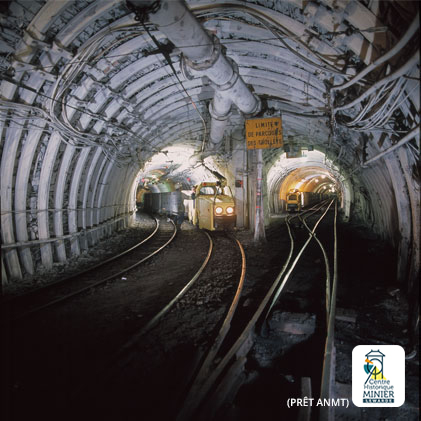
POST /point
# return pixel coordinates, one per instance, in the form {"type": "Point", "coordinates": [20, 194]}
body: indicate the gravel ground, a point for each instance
{"type": "Point", "coordinates": [107, 247]}
{"type": "Point", "coordinates": [54, 361]}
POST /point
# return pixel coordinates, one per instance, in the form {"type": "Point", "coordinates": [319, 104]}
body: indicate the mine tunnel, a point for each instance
{"type": "Point", "coordinates": [162, 159]}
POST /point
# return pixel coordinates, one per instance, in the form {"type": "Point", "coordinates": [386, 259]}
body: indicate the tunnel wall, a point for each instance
{"type": "Point", "coordinates": [133, 87]}
{"type": "Point", "coordinates": [57, 199]}
{"type": "Point", "coordinates": [61, 201]}
{"type": "Point", "coordinates": [380, 196]}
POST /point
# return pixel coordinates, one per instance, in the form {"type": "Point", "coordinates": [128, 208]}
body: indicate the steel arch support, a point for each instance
{"type": "Point", "coordinates": [404, 215]}
{"type": "Point", "coordinates": [43, 198]}
{"type": "Point", "coordinates": [92, 202]}
{"type": "Point", "coordinates": [100, 208]}
{"type": "Point", "coordinates": [73, 202]}
{"type": "Point", "coordinates": [85, 214]}
{"type": "Point", "coordinates": [58, 201]}
{"type": "Point", "coordinates": [7, 232]}
{"type": "Point", "coordinates": [21, 193]}
{"type": "Point", "coordinates": [111, 196]}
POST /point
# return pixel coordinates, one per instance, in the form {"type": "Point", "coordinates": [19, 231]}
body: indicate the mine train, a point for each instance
{"type": "Point", "coordinates": [165, 203]}
{"type": "Point", "coordinates": [211, 205]}
{"type": "Point", "coordinates": [297, 200]}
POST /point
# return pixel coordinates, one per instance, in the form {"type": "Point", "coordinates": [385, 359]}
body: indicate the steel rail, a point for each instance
{"type": "Point", "coordinates": [82, 272]}
{"type": "Point", "coordinates": [95, 284]}
{"type": "Point", "coordinates": [307, 213]}
{"type": "Point", "coordinates": [326, 260]}
{"type": "Point", "coordinates": [328, 371]}
{"type": "Point", "coordinates": [117, 357]}
{"type": "Point", "coordinates": [297, 258]}
{"type": "Point", "coordinates": [188, 411]}
{"type": "Point", "coordinates": [289, 257]}
{"type": "Point", "coordinates": [152, 323]}
{"type": "Point", "coordinates": [194, 393]}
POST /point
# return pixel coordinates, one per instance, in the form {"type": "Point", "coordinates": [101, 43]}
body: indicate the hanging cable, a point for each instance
{"type": "Point", "coordinates": [413, 133]}
{"type": "Point", "coordinates": [112, 56]}
{"type": "Point", "coordinates": [167, 57]}
{"type": "Point", "coordinates": [413, 61]}
{"type": "Point", "coordinates": [262, 16]}
{"type": "Point", "coordinates": [414, 27]}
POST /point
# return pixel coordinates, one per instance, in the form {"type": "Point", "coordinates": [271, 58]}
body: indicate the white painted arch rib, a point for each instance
{"type": "Point", "coordinates": [84, 217]}
{"type": "Point", "coordinates": [59, 199]}
{"type": "Point", "coordinates": [151, 92]}
{"type": "Point", "coordinates": [43, 199]}
{"type": "Point", "coordinates": [83, 19]}
{"type": "Point", "coordinates": [21, 194]}
{"type": "Point", "coordinates": [403, 228]}
{"type": "Point", "coordinates": [10, 148]}
{"type": "Point", "coordinates": [92, 200]}
{"type": "Point", "coordinates": [73, 199]}
{"type": "Point", "coordinates": [40, 25]}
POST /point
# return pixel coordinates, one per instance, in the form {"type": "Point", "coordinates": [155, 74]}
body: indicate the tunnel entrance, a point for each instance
{"type": "Point", "coordinates": [174, 167]}
{"type": "Point", "coordinates": [312, 173]}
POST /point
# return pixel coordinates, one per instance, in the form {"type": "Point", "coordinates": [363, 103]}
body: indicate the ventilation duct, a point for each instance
{"type": "Point", "coordinates": [204, 58]}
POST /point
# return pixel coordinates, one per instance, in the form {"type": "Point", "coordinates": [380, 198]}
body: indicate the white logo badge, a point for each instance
{"type": "Point", "coordinates": [378, 375]}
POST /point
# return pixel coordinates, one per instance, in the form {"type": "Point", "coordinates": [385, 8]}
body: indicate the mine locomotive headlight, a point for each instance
{"type": "Point", "coordinates": [230, 210]}
{"type": "Point", "coordinates": [218, 210]}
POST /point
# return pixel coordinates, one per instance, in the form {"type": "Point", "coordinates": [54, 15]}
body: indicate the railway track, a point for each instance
{"type": "Point", "coordinates": [62, 350]}
{"type": "Point", "coordinates": [64, 289]}
{"type": "Point", "coordinates": [189, 284]}
{"type": "Point", "coordinates": [221, 373]}
{"type": "Point", "coordinates": [179, 365]}
{"type": "Point", "coordinates": [152, 363]}
{"type": "Point", "coordinates": [138, 354]}
{"type": "Point", "coordinates": [208, 376]}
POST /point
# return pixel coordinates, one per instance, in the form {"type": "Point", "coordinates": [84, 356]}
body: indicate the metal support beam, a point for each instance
{"type": "Point", "coordinates": [43, 198]}
{"type": "Point", "coordinates": [21, 193]}
{"type": "Point", "coordinates": [7, 167]}
{"type": "Point", "coordinates": [73, 196]}
{"type": "Point", "coordinates": [92, 201]}
{"type": "Point", "coordinates": [58, 200]}
{"type": "Point", "coordinates": [85, 218]}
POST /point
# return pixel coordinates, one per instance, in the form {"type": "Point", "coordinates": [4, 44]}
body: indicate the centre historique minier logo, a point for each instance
{"type": "Point", "coordinates": [378, 375]}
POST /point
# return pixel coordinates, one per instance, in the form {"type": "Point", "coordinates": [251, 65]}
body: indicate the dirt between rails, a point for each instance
{"type": "Point", "coordinates": [59, 360]}
{"type": "Point", "coordinates": [62, 365]}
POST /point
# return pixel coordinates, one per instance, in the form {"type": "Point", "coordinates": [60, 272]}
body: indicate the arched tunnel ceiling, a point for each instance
{"type": "Point", "coordinates": [88, 97]}
{"type": "Point", "coordinates": [311, 172]}
{"type": "Point", "coordinates": [120, 89]}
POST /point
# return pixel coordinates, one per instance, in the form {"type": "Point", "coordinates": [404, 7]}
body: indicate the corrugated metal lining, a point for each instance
{"type": "Point", "coordinates": [58, 198]}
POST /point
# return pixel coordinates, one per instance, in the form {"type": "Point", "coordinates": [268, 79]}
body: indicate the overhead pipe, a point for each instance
{"type": "Point", "coordinates": [202, 56]}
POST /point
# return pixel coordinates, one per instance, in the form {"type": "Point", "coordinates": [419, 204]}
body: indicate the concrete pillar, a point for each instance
{"type": "Point", "coordinates": [259, 223]}
{"type": "Point", "coordinates": [239, 165]}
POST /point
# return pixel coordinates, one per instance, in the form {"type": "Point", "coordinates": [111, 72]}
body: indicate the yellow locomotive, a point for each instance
{"type": "Point", "coordinates": [293, 202]}
{"type": "Point", "coordinates": [298, 200]}
{"type": "Point", "coordinates": [213, 206]}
